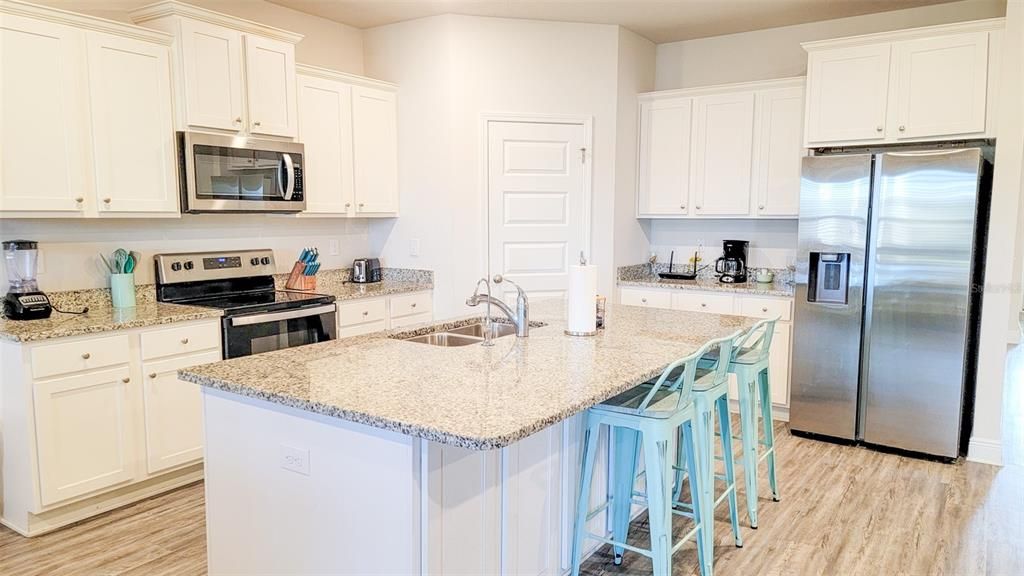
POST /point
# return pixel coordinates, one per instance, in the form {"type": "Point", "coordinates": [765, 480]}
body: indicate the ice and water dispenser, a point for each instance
{"type": "Point", "coordinates": [828, 278]}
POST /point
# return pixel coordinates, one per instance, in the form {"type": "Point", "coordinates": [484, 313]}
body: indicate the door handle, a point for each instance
{"type": "Point", "coordinates": [289, 168]}
{"type": "Point", "coordinates": [277, 316]}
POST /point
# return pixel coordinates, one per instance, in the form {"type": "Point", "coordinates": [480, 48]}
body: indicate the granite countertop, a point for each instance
{"type": "Point", "coordinates": [472, 396]}
{"type": "Point", "coordinates": [395, 281]}
{"type": "Point", "coordinates": [101, 318]}
{"type": "Point", "coordinates": [711, 284]}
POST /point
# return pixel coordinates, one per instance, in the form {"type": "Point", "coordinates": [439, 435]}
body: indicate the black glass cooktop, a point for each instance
{"type": "Point", "coordinates": [260, 301]}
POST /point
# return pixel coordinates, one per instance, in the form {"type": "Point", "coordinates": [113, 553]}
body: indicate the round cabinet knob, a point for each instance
{"type": "Point", "coordinates": [760, 207]}
{"type": "Point", "coordinates": [256, 123]}
{"type": "Point", "coordinates": [126, 380]}
{"type": "Point", "coordinates": [361, 205]}
{"type": "Point", "coordinates": [184, 340]}
{"type": "Point", "coordinates": [86, 356]}
{"type": "Point", "coordinates": [903, 128]}
{"type": "Point", "coordinates": [643, 300]}
{"type": "Point", "coordinates": [879, 128]}
{"type": "Point", "coordinates": [682, 206]}
{"type": "Point", "coordinates": [703, 305]}
{"type": "Point", "coordinates": [413, 304]}
{"type": "Point", "coordinates": [698, 207]}
{"type": "Point", "coordinates": [366, 312]}
{"type": "Point", "coordinates": [347, 204]}
{"type": "Point", "coordinates": [764, 309]}
{"type": "Point", "coordinates": [152, 375]}
{"type": "Point", "coordinates": [238, 120]}
{"type": "Point", "coordinates": [106, 200]}
{"type": "Point", "coordinates": [79, 200]}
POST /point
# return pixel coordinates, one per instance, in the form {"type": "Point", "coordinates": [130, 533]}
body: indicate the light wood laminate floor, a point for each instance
{"type": "Point", "coordinates": [844, 510]}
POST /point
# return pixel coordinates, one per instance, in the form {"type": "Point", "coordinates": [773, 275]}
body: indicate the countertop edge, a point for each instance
{"type": "Point", "coordinates": [773, 292]}
{"type": "Point", "coordinates": [55, 333]}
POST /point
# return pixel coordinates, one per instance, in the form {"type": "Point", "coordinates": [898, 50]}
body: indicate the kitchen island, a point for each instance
{"type": "Point", "coordinates": [376, 455]}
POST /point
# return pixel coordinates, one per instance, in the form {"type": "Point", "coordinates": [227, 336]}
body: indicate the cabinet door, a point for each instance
{"type": "Point", "coordinates": [645, 298]}
{"type": "Point", "coordinates": [375, 147]}
{"type": "Point", "coordinates": [665, 133]}
{"type": "Point", "coordinates": [83, 433]}
{"type": "Point", "coordinates": [847, 93]}
{"type": "Point", "coordinates": [212, 63]}
{"type": "Point", "coordinates": [43, 117]}
{"type": "Point", "coordinates": [723, 150]}
{"type": "Point", "coordinates": [942, 85]}
{"type": "Point", "coordinates": [780, 115]}
{"type": "Point", "coordinates": [325, 128]}
{"type": "Point", "coordinates": [270, 78]}
{"type": "Point", "coordinates": [132, 125]}
{"type": "Point", "coordinates": [778, 363]}
{"type": "Point", "coordinates": [174, 413]}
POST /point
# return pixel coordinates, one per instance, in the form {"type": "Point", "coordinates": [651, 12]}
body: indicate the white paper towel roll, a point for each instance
{"type": "Point", "coordinates": [582, 298]}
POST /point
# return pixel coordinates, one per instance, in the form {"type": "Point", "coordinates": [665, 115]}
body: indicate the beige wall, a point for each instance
{"type": "Point", "coordinates": [776, 52]}
{"type": "Point", "coordinates": [326, 43]}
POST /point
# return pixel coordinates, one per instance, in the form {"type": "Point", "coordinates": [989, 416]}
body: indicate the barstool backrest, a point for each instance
{"type": "Point", "coordinates": [755, 345]}
{"type": "Point", "coordinates": [681, 374]}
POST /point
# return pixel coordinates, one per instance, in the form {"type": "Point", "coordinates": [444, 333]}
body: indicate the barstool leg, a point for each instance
{"type": "Point", "coordinates": [658, 510]}
{"type": "Point", "coordinates": [704, 438]}
{"type": "Point", "coordinates": [768, 422]}
{"type": "Point", "coordinates": [748, 435]}
{"type": "Point", "coordinates": [590, 437]}
{"type": "Point", "coordinates": [698, 518]}
{"type": "Point", "coordinates": [725, 425]}
{"type": "Point", "coordinates": [626, 448]}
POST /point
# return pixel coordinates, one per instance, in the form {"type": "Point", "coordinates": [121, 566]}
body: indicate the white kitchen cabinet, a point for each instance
{"type": "Point", "coordinates": [645, 298]}
{"type": "Point", "coordinates": [710, 302]}
{"type": "Point", "coordinates": [325, 130]}
{"type": "Point", "coordinates": [665, 157]}
{"type": "Point", "coordinates": [132, 125]}
{"type": "Point", "coordinates": [83, 433]}
{"type": "Point", "coordinates": [43, 119]}
{"type": "Point", "coordinates": [375, 149]}
{"type": "Point", "coordinates": [778, 362]}
{"type": "Point", "coordinates": [779, 150]}
{"type": "Point", "coordinates": [723, 151]}
{"type": "Point", "coordinates": [941, 85]}
{"type": "Point", "coordinates": [847, 92]}
{"type": "Point", "coordinates": [211, 65]}
{"type": "Point", "coordinates": [236, 75]}
{"type": "Point", "coordinates": [173, 412]}
{"type": "Point", "coordinates": [730, 151]}
{"type": "Point", "coordinates": [368, 315]}
{"type": "Point", "coordinates": [270, 86]}
{"type": "Point", "coordinates": [912, 85]}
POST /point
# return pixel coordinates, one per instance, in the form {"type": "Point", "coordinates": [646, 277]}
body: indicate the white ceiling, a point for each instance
{"type": "Point", "coordinates": [658, 20]}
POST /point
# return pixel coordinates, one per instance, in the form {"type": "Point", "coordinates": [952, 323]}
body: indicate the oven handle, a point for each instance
{"type": "Point", "coordinates": [285, 315]}
{"type": "Point", "coordinates": [289, 168]}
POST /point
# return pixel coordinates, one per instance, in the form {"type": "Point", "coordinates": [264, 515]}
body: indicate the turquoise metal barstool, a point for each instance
{"type": "Point", "coordinates": [653, 413]}
{"type": "Point", "coordinates": [750, 365]}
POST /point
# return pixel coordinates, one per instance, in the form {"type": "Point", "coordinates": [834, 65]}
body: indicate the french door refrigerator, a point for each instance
{"type": "Point", "coordinates": [889, 265]}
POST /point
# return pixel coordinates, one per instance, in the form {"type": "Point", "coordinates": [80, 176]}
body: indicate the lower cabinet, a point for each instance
{"type": "Point", "coordinates": [91, 423]}
{"type": "Point", "coordinates": [83, 433]}
{"type": "Point", "coordinates": [741, 304]}
{"type": "Point", "coordinates": [368, 315]}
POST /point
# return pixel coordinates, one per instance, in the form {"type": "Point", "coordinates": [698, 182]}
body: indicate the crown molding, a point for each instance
{"type": "Point", "coordinates": [987, 25]}
{"type": "Point", "coordinates": [328, 74]}
{"type": "Point", "coordinates": [793, 82]}
{"type": "Point", "coordinates": [82, 21]}
{"type": "Point", "coordinates": [174, 8]}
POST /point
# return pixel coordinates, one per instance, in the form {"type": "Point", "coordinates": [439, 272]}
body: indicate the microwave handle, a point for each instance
{"type": "Point", "coordinates": [289, 169]}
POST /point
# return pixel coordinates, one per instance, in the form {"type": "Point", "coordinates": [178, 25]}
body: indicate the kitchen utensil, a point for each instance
{"type": "Point", "coordinates": [106, 262]}
{"type": "Point", "coordinates": [120, 259]}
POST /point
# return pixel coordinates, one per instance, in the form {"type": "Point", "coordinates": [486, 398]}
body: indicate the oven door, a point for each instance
{"type": "Point", "coordinates": [268, 331]}
{"type": "Point", "coordinates": [236, 174]}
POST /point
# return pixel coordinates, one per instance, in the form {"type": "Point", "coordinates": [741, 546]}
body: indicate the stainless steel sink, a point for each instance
{"type": "Point", "coordinates": [477, 330]}
{"type": "Point", "coordinates": [446, 339]}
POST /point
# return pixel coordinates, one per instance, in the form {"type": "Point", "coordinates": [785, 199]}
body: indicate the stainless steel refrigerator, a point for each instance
{"type": "Point", "coordinates": [891, 250]}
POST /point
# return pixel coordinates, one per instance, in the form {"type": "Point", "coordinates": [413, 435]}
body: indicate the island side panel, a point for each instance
{"type": "Point", "coordinates": [290, 492]}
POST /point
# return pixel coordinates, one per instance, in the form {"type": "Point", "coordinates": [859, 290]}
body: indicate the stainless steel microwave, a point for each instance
{"type": "Point", "coordinates": [239, 174]}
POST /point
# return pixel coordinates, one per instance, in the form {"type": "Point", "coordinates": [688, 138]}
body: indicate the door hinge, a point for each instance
{"type": "Point", "coordinates": [583, 155]}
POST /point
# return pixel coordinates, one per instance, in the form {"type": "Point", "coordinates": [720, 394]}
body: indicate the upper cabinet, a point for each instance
{"type": "Point", "coordinates": [236, 76]}
{"type": "Point", "coordinates": [348, 126]}
{"type": "Point", "coordinates": [728, 151]}
{"type": "Point", "coordinates": [86, 120]}
{"type": "Point", "coordinates": [914, 85]}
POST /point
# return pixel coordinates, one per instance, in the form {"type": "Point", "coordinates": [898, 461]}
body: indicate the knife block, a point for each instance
{"type": "Point", "coordinates": [298, 281]}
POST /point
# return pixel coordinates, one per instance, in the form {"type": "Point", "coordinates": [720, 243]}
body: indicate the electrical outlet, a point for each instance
{"type": "Point", "coordinates": [414, 247]}
{"type": "Point", "coordinates": [334, 247]}
{"type": "Point", "coordinates": [295, 459]}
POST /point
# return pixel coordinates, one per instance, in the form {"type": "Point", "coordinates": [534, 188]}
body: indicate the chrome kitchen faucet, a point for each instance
{"type": "Point", "coordinates": [520, 317]}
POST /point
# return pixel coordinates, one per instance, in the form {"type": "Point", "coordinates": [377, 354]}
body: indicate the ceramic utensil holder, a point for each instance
{"type": "Point", "coordinates": [122, 290]}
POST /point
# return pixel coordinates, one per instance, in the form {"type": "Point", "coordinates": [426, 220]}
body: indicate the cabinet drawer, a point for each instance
{"type": "Point", "coordinates": [361, 312]}
{"type": "Point", "coordinates": [360, 329]}
{"type": "Point", "coordinates": [180, 340]}
{"type": "Point", "coordinates": [648, 298]}
{"type": "Point", "coordinates": [703, 302]}
{"type": "Point", "coordinates": [411, 319]}
{"type": "Point", "coordinates": [79, 355]}
{"type": "Point", "coordinates": [765, 308]}
{"type": "Point", "coordinates": [411, 304]}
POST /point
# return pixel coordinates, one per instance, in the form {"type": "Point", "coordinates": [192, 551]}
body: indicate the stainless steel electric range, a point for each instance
{"type": "Point", "coordinates": [257, 317]}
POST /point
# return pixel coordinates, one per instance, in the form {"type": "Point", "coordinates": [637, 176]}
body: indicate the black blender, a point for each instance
{"type": "Point", "coordinates": [732, 266]}
{"type": "Point", "coordinates": [23, 301]}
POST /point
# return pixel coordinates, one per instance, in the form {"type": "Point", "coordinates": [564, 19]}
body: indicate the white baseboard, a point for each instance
{"type": "Point", "coordinates": [985, 451]}
{"type": "Point", "coordinates": [1013, 338]}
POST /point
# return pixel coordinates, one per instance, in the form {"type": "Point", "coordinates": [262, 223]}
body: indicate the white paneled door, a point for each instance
{"type": "Point", "coordinates": [537, 203]}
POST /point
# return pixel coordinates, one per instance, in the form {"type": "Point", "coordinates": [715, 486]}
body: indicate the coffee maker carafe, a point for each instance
{"type": "Point", "coordinates": [732, 266]}
{"type": "Point", "coordinates": [23, 301]}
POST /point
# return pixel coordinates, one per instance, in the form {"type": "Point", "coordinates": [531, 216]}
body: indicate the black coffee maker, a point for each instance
{"type": "Point", "coordinates": [732, 266]}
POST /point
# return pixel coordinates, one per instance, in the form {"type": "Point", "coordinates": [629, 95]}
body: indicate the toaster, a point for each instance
{"type": "Point", "coordinates": [366, 270]}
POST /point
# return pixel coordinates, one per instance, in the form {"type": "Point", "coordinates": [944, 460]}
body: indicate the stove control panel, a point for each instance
{"type": "Point", "coordinates": [199, 266]}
